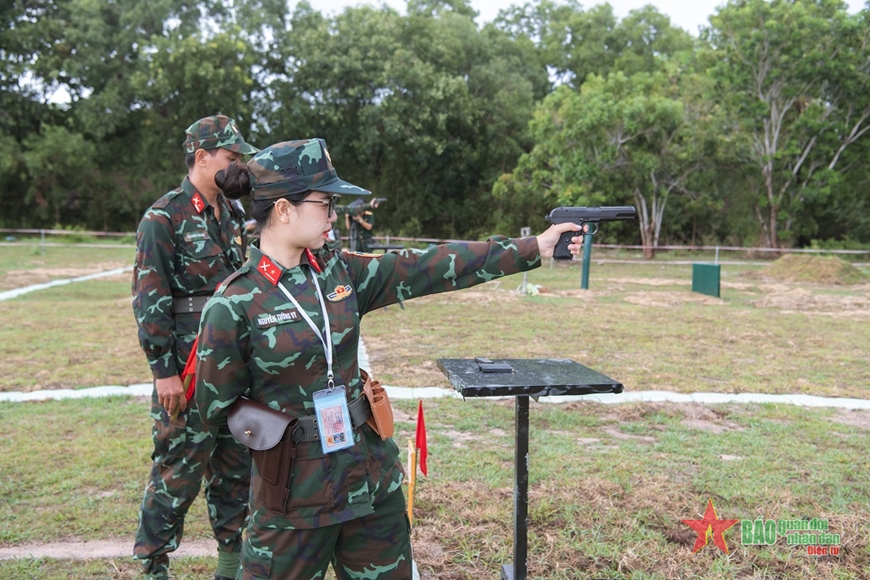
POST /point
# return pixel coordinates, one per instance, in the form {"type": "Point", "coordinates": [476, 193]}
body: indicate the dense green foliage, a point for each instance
{"type": "Point", "coordinates": [754, 133]}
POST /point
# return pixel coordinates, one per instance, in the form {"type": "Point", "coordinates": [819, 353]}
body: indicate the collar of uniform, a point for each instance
{"type": "Point", "coordinates": [267, 268]}
{"type": "Point", "coordinates": [196, 199]}
{"type": "Point", "coordinates": [273, 271]}
{"type": "Point", "coordinates": [309, 258]}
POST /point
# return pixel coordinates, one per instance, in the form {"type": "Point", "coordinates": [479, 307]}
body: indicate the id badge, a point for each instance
{"type": "Point", "coordinates": [333, 419]}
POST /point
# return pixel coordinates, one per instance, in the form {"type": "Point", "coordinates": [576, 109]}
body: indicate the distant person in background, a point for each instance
{"type": "Point", "coordinates": [187, 243]}
{"type": "Point", "coordinates": [360, 221]}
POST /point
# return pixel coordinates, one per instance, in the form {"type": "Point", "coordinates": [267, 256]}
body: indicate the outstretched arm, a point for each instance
{"type": "Point", "coordinates": [395, 277]}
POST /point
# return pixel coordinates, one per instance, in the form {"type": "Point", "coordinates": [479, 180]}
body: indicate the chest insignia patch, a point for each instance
{"type": "Point", "coordinates": [340, 293]}
{"type": "Point", "coordinates": [267, 320]}
{"type": "Point", "coordinates": [238, 240]}
{"type": "Point", "coordinates": [195, 236]}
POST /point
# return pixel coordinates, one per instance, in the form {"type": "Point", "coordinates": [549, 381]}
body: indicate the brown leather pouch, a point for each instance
{"type": "Point", "coordinates": [381, 420]}
{"type": "Point", "coordinates": [269, 435]}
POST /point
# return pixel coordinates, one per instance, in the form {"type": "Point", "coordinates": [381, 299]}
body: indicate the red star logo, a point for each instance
{"type": "Point", "coordinates": [197, 202]}
{"type": "Point", "coordinates": [269, 270]}
{"type": "Point", "coordinates": [710, 526]}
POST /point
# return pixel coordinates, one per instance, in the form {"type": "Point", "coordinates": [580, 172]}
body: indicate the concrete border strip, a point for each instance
{"type": "Point", "coordinates": [396, 393]}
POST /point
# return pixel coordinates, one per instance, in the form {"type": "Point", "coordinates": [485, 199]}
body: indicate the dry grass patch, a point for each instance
{"type": "Point", "coordinates": [591, 530]}
{"type": "Point", "coordinates": [790, 300]}
{"type": "Point", "coordinates": [652, 281]}
{"type": "Point", "coordinates": [860, 419]}
{"type": "Point", "coordinates": [814, 269]}
{"type": "Point", "coordinates": [665, 299]}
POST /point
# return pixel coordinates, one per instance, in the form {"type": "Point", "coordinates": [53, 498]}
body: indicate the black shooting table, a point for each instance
{"type": "Point", "coordinates": [529, 378]}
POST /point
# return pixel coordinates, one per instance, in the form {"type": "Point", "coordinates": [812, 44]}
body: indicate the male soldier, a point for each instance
{"type": "Point", "coordinates": [187, 243]}
{"type": "Point", "coordinates": [360, 221]}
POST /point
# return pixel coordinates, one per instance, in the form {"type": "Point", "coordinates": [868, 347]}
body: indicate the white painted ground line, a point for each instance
{"type": "Point", "coordinates": [395, 393]}
{"type": "Point", "coordinates": [27, 289]}
{"type": "Point", "coordinates": [144, 390]}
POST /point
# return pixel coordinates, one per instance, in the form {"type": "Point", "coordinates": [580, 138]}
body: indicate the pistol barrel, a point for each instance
{"type": "Point", "coordinates": [592, 214]}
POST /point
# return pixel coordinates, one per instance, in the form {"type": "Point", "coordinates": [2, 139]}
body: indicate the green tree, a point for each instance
{"type": "Point", "coordinates": [575, 43]}
{"type": "Point", "coordinates": [794, 77]}
{"type": "Point", "coordinates": [617, 140]}
{"type": "Point", "coordinates": [425, 109]}
{"type": "Point", "coordinates": [60, 164]}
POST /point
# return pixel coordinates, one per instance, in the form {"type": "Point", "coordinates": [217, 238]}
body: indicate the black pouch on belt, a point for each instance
{"type": "Point", "coordinates": [268, 434]}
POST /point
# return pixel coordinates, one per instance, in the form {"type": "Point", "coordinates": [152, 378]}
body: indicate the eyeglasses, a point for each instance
{"type": "Point", "coordinates": [328, 202]}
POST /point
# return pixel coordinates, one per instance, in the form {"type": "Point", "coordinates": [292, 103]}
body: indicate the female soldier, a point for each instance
{"type": "Point", "coordinates": [286, 326]}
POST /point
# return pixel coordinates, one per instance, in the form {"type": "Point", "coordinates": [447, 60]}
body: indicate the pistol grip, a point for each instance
{"type": "Point", "coordinates": [561, 252]}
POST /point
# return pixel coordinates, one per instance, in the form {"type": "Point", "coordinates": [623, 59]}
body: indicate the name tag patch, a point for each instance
{"type": "Point", "coordinates": [267, 320]}
{"type": "Point", "coordinates": [195, 236]}
{"type": "Point", "coordinates": [340, 293]}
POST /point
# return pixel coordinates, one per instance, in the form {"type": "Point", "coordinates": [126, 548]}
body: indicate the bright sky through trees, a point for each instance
{"type": "Point", "coordinates": [687, 14]}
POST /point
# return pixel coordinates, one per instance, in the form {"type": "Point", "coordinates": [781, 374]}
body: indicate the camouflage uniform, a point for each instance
{"type": "Point", "coordinates": [184, 251]}
{"type": "Point", "coordinates": [346, 507]}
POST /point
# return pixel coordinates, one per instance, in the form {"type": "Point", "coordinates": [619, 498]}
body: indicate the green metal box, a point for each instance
{"type": "Point", "coordinates": [705, 279]}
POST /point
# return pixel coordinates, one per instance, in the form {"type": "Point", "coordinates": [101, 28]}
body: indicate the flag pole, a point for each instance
{"type": "Point", "coordinates": [412, 478]}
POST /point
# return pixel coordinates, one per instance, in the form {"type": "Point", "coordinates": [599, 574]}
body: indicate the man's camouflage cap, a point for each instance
{"type": "Point", "coordinates": [217, 132]}
{"type": "Point", "coordinates": [294, 167]}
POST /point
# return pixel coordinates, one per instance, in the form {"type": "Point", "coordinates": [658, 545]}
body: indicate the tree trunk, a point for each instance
{"type": "Point", "coordinates": [649, 251]}
{"type": "Point", "coordinates": [647, 225]}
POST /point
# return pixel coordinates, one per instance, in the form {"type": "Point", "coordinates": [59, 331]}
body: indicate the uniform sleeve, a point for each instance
{"type": "Point", "coordinates": [222, 373]}
{"type": "Point", "coordinates": [395, 277]}
{"type": "Point", "coordinates": [152, 294]}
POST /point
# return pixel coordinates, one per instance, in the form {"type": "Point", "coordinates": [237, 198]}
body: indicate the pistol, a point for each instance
{"type": "Point", "coordinates": [582, 216]}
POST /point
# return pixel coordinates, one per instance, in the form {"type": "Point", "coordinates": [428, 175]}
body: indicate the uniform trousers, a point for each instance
{"type": "Point", "coordinates": [185, 453]}
{"type": "Point", "coordinates": [373, 547]}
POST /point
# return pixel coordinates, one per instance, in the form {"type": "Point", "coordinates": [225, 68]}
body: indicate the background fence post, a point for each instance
{"type": "Point", "coordinates": [587, 255]}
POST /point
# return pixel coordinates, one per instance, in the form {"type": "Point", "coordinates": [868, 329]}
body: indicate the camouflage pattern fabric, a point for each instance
{"type": "Point", "coordinates": [216, 132]}
{"type": "Point", "coordinates": [185, 453]}
{"type": "Point", "coordinates": [376, 547]}
{"type": "Point", "coordinates": [294, 167]}
{"type": "Point", "coordinates": [252, 338]}
{"type": "Point", "coordinates": [183, 250]}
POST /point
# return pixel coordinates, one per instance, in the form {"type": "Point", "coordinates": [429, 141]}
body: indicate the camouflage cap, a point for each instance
{"type": "Point", "coordinates": [294, 167]}
{"type": "Point", "coordinates": [217, 132]}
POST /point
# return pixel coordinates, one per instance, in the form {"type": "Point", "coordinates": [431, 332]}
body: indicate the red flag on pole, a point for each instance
{"type": "Point", "coordinates": [421, 438]}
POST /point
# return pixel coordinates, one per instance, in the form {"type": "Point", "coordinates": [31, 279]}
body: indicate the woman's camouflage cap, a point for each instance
{"type": "Point", "coordinates": [294, 167]}
{"type": "Point", "coordinates": [217, 132]}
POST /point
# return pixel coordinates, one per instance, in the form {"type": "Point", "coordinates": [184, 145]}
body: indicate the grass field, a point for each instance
{"type": "Point", "coordinates": [609, 484]}
{"type": "Point", "coordinates": [638, 323]}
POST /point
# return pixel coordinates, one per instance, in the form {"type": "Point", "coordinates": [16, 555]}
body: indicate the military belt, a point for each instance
{"type": "Point", "coordinates": [306, 428]}
{"type": "Point", "coordinates": [189, 305]}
